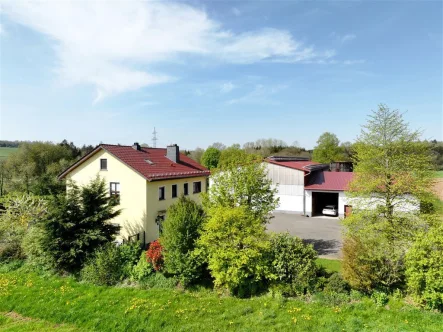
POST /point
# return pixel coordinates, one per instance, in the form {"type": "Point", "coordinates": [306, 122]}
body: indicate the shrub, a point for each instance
{"type": "Point", "coordinates": [236, 245]}
{"type": "Point", "coordinates": [293, 264]}
{"type": "Point", "coordinates": [20, 212]}
{"type": "Point", "coordinates": [105, 268]}
{"type": "Point", "coordinates": [155, 256]}
{"type": "Point", "coordinates": [143, 269]}
{"type": "Point", "coordinates": [371, 262]}
{"type": "Point", "coordinates": [380, 298]}
{"type": "Point", "coordinates": [180, 233]}
{"type": "Point", "coordinates": [158, 280]}
{"type": "Point", "coordinates": [336, 284]}
{"type": "Point", "coordinates": [130, 254]}
{"type": "Point", "coordinates": [424, 263]}
{"type": "Point", "coordinates": [78, 224]}
{"type": "Point", "coordinates": [33, 247]}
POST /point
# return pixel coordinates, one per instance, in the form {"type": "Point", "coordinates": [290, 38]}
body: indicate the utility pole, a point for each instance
{"type": "Point", "coordinates": [154, 139]}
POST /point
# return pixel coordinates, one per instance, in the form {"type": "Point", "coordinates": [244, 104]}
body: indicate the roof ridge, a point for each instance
{"type": "Point", "coordinates": [130, 146]}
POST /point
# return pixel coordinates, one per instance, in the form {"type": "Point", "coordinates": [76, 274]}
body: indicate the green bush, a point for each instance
{"type": "Point", "coordinates": [236, 246]}
{"type": "Point", "coordinates": [293, 264]}
{"type": "Point", "coordinates": [130, 254]}
{"type": "Point", "coordinates": [380, 298]}
{"type": "Point", "coordinates": [143, 269]}
{"type": "Point", "coordinates": [336, 284]}
{"type": "Point", "coordinates": [158, 280]}
{"type": "Point", "coordinates": [105, 268]}
{"type": "Point", "coordinates": [424, 263]}
{"type": "Point", "coordinates": [371, 261]}
{"type": "Point", "coordinates": [180, 232]}
{"type": "Point", "coordinates": [33, 248]}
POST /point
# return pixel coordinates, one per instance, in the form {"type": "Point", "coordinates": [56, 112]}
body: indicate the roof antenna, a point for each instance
{"type": "Point", "coordinates": [154, 138]}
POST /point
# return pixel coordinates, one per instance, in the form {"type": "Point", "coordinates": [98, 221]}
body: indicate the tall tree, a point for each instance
{"type": "Point", "coordinates": [392, 165]}
{"type": "Point", "coordinates": [210, 158]}
{"type": "Point", "coordinates": [327, 149]}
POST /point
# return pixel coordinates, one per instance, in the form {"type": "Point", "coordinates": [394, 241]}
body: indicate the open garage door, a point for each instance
{"type": "Point", "coordinates": [321, 199]}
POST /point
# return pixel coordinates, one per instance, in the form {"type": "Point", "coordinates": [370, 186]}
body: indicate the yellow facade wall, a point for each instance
{"type": "Point", "coordinates": [139, 199]}
{"type": "Point", "coordinates": [132, 189]}
{"type": "Point", "coordinates": [156, 207]}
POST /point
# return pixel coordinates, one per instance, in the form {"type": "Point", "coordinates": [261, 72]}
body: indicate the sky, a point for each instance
{"type": "Point", "coordinates": [216, 71]}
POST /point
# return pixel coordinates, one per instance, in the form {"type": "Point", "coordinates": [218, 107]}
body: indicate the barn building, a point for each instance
{"type": "Point", "coordinates": [306, 187]}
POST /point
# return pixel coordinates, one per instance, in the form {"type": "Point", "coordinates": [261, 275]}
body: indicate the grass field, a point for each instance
{"type": "Point", "coordinates": [5, 152]}
{"type": "Point", "coordinates": [330, 265]}
{"type": "Point", "coordinates": [30, 302]}
{"type": "Point", "coordinates": [439, 174]}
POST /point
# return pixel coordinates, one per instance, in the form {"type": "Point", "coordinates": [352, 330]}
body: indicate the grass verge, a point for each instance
{"type": "Point", "coordinates": [330, 265]}
{"type": "Point", "coordinates": [58, 300]}
{"type": "Point", "coordinates": [438, 174]}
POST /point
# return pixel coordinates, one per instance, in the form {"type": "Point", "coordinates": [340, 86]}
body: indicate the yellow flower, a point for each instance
{"type": "Point", "coordinates": [231, 322]}
{"type": "Point", "coordinates": [294, 320]}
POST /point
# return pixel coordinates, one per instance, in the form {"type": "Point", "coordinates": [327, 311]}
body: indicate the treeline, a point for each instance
{"type": "Point", "coordinates": [34, 167]}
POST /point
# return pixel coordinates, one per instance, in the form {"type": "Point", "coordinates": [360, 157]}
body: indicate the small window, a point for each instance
{"type": "Point", "coordinates": [103, 164]}
{"type": "Point", "coordinates": [197, 187]}
{"type": "Point", "coordinates": [161, 193]}
{"type": "Point", "coordinates": [115, 191]}
{"type": "Point", "coordinates": [159, 221]}
{"type": "Point", "coordinates": [185, 189]}
{"type": "Point", "coordinates": [174, 191]}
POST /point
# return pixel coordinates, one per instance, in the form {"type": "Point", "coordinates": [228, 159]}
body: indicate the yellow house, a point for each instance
{"type": "Point", "coordinates": [146, 182]}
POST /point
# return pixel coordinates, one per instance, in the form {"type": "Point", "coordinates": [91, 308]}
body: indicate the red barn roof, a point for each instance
{"type": "Point", "coordinates": [299, 164]}
{"type": "Point", "coordinates": [151, 163]}
{"type": "Point", "coordinates": [329, 181]}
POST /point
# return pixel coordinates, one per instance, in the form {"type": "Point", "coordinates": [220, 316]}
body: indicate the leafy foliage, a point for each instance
{"type": "Point", "coordinates": [21, 211]}
{"type": "Point", "coordinates": [181, 228]}
{"type": "Point", "coordinates": [78, 224]}
{"type": "Point", "coordinates": [327, 149]}
{"type": "Point", "coordinates": [210, 158]}
{"type": "Point", "coordinates": [293, 263]}
{"type": "Point", "coordinates": [246, 185]}
{"type": "Point", "coordinates": [130, 255]}
{"type": "Point", "coordinates": [424, 268]}
{"type": "Point", "coordinates": [236, 157]}
{"type": "Point", "coordinates": [236, 246]}
{"type": "Point", "coordinates": [154, 255]}
{"type": "Point", "coordinates": [105, 268]}
{"type": "Point", "coordinates": [143, 269]}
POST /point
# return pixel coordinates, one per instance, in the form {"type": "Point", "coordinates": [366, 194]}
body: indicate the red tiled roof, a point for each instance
{"type": "Point", "coordinates": [151, 163]}
{"type": "Point", "coordinates": [329, 181]}
{"type": "Point", "coordinates": [299, 165]}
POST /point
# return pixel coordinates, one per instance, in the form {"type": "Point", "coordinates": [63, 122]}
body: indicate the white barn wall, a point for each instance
{"type": "Point", "coordinates": [290, 185]}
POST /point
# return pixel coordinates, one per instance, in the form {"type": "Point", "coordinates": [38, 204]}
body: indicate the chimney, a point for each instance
{"type": "Point", "coordinates": [173, 153]}
{"type": "Point", "coordinates": [136, 146]}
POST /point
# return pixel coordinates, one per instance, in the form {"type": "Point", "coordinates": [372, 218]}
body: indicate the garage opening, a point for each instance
{"type": "Point", "coordinates": [320, 200]}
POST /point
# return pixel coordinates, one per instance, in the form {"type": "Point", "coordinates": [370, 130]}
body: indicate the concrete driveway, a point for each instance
{"type": "Point", "coordinates": [324, 233]}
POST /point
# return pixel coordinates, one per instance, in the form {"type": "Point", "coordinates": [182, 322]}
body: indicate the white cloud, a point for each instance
{"type": "Point", "coordinates": [115, 46]}
{"type": "Point", "coordinates": [260, 94]}
{"type": "Point", "coordinates": [236, 11]}
{"type": "Point", "coordinates": [227, 87]}
{"type": "Point", "coordinates": [343, 38]}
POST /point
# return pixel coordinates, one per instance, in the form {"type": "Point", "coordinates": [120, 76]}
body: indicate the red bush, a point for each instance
{"type": "Point", "coordinates": [154, 255]}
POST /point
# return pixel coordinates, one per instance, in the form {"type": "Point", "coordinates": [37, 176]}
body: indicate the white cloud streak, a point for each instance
{"type": "Point", "coordinates": [227, 87]}
{"type": "Point", "coordinates": [115, 46]}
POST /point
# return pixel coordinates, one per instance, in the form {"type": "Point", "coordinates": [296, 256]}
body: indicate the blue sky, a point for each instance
{"type": "Point", "coordinates": [220, 71]}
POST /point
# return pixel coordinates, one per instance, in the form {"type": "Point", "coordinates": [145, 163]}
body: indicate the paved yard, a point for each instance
{"type": "Point", "coordinates": [323, 232]}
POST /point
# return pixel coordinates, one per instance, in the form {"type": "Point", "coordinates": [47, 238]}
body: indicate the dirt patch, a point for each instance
{"type": "Point", "coordinates": [17, 317]}
{"type": "Point", "coordinates": [438, 188]}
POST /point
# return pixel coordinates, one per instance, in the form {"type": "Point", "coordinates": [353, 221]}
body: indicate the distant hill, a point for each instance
{"type": "Point", "coordinates": [5, 152]}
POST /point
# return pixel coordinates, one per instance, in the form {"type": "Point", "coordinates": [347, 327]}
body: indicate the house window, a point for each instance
{"type": "Point", "coordinates": [103, 164]}
{"type": "Point", "coordinates": [185, 189]}
{"type": "Point", "coordinates": [197, 187]}
{"type": "Point", "coordinates": [174, 191]}
{"type": "Point", "coordinates": [159, 221]}
{"type": "Point", "coordinates": [161, 193]}
{"type": "Point", "coordinates": [115, 191]}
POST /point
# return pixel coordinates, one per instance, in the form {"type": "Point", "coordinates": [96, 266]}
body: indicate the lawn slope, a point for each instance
{"type": "Point", "coordinates": [65, 301]}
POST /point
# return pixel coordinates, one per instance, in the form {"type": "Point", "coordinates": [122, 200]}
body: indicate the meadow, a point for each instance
{"type": "Point", "coordinates": [37, 302]}
{"type": "Point", "coordinates": [5, 152]}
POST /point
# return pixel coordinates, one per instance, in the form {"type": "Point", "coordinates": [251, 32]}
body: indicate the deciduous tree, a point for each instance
{"type": "Point", "coordinates": [327, 149]}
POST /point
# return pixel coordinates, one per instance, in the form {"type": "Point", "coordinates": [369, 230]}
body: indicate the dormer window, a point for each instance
{"type": "Point", "coordinates": [103, 164]}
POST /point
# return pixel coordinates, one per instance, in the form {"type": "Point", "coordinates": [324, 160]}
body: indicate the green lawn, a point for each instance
{"type": "Point", "coordinates": [331, 265]}
{"type": "Point", "coordinates": [5, 152]}
{"type": "Point", "coordinates": [46, 301]}
{"type": "Point", "coordinates": [439, 174]}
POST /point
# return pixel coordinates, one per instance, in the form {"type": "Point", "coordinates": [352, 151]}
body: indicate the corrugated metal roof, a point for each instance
{"type": "Point", "coordinates": [299, 165]}
{"type": "Point", "coordinates": [159, 166]}
{"type": "Point", "coordinates": [330, 181]}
